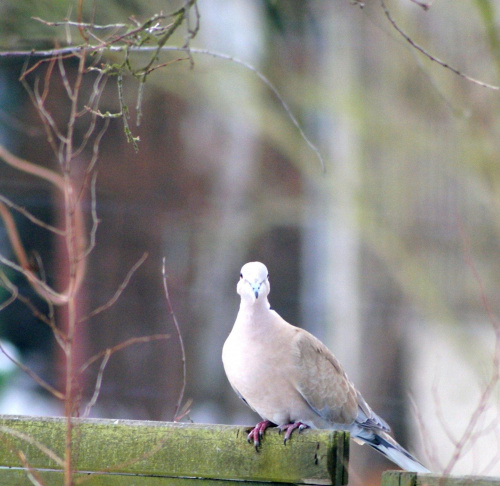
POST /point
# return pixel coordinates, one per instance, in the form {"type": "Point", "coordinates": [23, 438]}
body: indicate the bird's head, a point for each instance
{"type": "Point", "coordinates": [253, 285]}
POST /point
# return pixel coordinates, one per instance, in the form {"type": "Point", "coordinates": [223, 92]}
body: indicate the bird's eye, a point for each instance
{"type": "Point", "coordinates": [241, 275]}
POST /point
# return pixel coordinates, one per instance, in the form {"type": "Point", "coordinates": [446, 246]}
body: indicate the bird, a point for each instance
{"type": "Point", "coordinates": [292, 380]}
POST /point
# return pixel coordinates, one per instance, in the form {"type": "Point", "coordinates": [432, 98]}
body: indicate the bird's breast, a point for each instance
{"type": "Point", "coordinates": [248, 361]}
{"type": "Point", "coordinates": [261, 373]}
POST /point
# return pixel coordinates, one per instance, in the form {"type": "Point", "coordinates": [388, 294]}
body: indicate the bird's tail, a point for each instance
{"type": "Point", "coordinates": [384, 443]}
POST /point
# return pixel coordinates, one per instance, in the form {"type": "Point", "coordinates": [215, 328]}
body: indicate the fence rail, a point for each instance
{"type": "Point", "coordinates": [142, 453]}
{"type": "Point", "coordinates": [404, 478]}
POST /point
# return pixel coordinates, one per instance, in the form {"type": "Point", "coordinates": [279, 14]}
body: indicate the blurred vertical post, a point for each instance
{"type": "Point", "coordinates": [223, 235]}
{"type": "Point", "coordinates": [331, 233]}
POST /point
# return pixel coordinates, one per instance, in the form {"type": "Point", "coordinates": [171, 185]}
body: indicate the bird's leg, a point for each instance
{"type": "Point", "coordinates": [289, 428]}
{"type": "Point", "coordinates": [257, 432]}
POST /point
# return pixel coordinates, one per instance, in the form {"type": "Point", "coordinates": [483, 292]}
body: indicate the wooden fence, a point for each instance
{"type": "Point", "coordinates": [141, 453]}
{"type": "Point", "coordinates": [129, 452]}
{"type": "Point", "coordinates": [403, 478]}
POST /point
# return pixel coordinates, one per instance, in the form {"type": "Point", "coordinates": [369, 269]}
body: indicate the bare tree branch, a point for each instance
{"type": "Point", "coordinates": [424, 5]}
{"type": "Point", "coordinates": [428, 444]}
{"type": "Point", "coordinates": [95, 219]}
{"type": "Point", "coordinates": [189, 51]}
{"type": "Point", "coordinates": [266, 81]}
{"type": "Point", "coordinates": [67, 144]}
{"type": "Point", "coordinates": [430, 56]}
{"type": "Point", "coordinates": [181, 342]}
{"type": "Point", "coordinates": [30, 216]}
{"type": "Point", "coordinates": [469, 433]}
{"type": "Point", "coordinates": [81, 24]}
{"type": "Point", "coordinates": [119, 291]}
{"type": "Point", "coordinates": [440, 416]}
{"type": "Point", "coordinates": [41, 287]}
{"type": "Point", "coordinates": [43, 448]}
{"type": "Point", "coordinates": [122, 345]}
{"type": "Point", "coordinates": [98, 382]}
{"type": "Point", "coordinates": [40, 381]}
{"type": "Point", "coordinates": [9, 286]}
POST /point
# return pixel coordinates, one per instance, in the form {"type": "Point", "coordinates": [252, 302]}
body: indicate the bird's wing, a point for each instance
{"type": "Point", "coordinates": [322, 382]}
{"type": "Point", "coordinates": [367, 418]}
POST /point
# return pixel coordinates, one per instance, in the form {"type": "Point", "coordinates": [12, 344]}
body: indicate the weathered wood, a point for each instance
{"type": "Point", "coordinates": [403, 478]}
{"type": "Point", "coordinates": [174, 450]}
{"type": "Point", "coordinates": [18, 477]}
{"type": "Point", "coordinates": [398, 478]}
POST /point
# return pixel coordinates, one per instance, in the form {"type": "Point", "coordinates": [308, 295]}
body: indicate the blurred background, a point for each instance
{"type": "Point", "coordinates": [389, 255]}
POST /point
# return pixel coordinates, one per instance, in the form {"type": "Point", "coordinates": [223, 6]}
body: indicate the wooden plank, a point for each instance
{"type": "Point", "coordinates": [19, 477]}
{"type": "Point", "coordinates": [338, 458]}
{"type": "Point", "coordinates": [399, 478]}
{"type": "Point", "coordinates": [403, 478]}
{"type": "Point", "coordinates": [432, 480]}
{"type": "Point", "coordinates": [178, 450]}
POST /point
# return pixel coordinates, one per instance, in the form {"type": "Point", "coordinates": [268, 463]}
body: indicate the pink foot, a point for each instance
{"type": "Point", "coordinates": [289, 428]}
{"type": "Point", "coordinates": [257, 432]}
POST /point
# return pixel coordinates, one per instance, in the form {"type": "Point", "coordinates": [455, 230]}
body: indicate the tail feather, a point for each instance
{"type": "Point", "coordinates": [385, 444]}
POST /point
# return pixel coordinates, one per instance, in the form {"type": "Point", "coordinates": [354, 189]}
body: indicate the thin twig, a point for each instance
{"type": "Point", "coordinates": [8, 285]}
{"type": "Point", "coordinates": [125, 114]}
{"type": "Point", "coordinates": [58, 333]}
{"type": "Point", "coordinates": [439, 414]}
{"type": "Point", "coordinates": [164, 64]}
{"type": "Point", "coordinates": [48, 53]}
{"type": "Point", "coordinates": [30, 168]}
{"type": "Point", "coordinates": [31, 217]}
{"type": "Point", "coordinates": [40, 381]}
{"type": "Point", "coordinates": [424, 5]}
{"type": "Point", "coordinates": [32, 474]}
{"type": "Point", "coordinates": [122, 345]}
{"type": "Point", "coordinates": [494, 460]}
{"type": "Point", "coordinates": [428, 445]}
{"type": "Point", "coordinates": [184, 411]}
{"type": "Point", "coordinates": [27, 438]}
{"type": "Point", "coordinates": [46, 79]}
{"type": "Point", "coordinates": [488, 390]}
{"type": "Point", "coordinates": [93, 101]}
{"type": "Point", "coordinates": [76, 226]}
{"type": "Point", "coordinates": [189, 51]}
{"type": "Point", "coordinates": [181, 342]}
{"type": "Point", "coordinates": [12, 121]}
{"type": "Point", "coordinates": [98, 382]}
{"type": "Point", "coordinates": [95, 148]}
{"type": "Point", "coordinates": [119, 291]}
{"type": "Point", "coordinates": [34, 310]}
{"type": "Point", "coordinates": [95, 219]}
{"type": "Point", "coordinates": [264, 79]}
{"type": "Point", "coordinates": [430, 56]}
{"type": "Point", "coordinates": [41, 287]}
{"type": "Point", "coordinates": [14, 238]}
{"type": "Point", "coordinates": [180, 15]}
{"type": "Point", "coordinates": [81, 24]}
{"type": "Point", "coordinates": [51, 131]}
{"type": "Point", "coordinates": [48, 320]}
{"type": "Point", "coordinates": [70, 91]}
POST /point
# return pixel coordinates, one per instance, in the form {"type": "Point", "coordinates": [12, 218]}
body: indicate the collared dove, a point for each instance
{"type": "Point", "coordinates": [292, 380]}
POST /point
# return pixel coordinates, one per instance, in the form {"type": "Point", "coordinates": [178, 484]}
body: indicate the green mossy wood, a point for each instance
{"type": "Point", "coordinates": [146, 453]}
{"type": "Point", "coordinates": [403, 478]}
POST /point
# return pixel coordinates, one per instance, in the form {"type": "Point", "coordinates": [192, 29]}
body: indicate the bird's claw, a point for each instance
{"type": "Point", "coordinates": [289, 428]}
{"type": "Point", "coordinates": [257, 432]}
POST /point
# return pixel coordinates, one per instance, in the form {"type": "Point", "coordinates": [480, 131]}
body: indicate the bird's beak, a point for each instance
{"type": "Point", "coordinates": [255, 288]}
